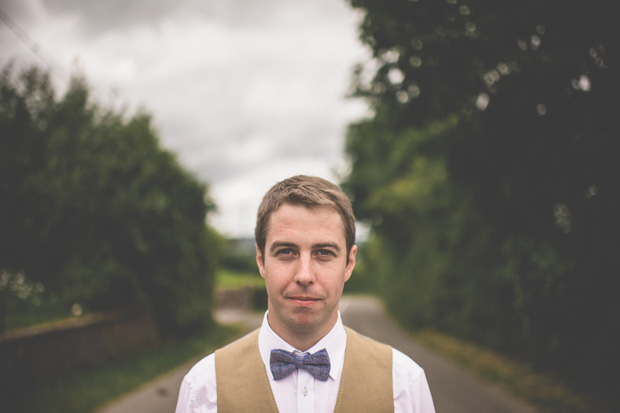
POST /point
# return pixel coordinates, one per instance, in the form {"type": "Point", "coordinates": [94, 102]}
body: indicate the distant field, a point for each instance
{"type": "Point", "coordinates": [231, 279]}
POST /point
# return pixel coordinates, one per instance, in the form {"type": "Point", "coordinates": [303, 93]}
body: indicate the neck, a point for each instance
{"type": "Point", "coordinates": [301, 338]}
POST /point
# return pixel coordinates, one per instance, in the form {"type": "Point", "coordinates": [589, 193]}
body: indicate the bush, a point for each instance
{"type": "Point", "coordinates": [96, 210]}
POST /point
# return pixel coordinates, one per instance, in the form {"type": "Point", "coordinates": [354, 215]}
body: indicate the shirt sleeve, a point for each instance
{"type": "Point", "coordinates": [411, 391]}
{"type": "Point", "coordinates": [198, 393]}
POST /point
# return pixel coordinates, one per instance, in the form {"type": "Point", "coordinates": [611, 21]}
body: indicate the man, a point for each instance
{"type": "Point", "coordinates": [303, 359]}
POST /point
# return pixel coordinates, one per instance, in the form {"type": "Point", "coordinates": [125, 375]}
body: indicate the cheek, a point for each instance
{"type": "Point", "coordinates": [273, 274]}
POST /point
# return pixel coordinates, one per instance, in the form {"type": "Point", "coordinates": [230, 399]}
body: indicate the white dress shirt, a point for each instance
{"type": "Point", "coordinates": [300, 392]}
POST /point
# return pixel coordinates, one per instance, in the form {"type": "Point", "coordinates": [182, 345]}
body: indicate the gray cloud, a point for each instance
{"type": "Point", "coordinates": [244, 92]}
{"type": "Point", "coordinates": [99, 16]}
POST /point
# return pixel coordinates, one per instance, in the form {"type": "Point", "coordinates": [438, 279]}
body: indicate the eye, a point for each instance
{"type": "Point", "coordinates": [285, 251]}
{"type": "Point", "coordinates": [325, 253]}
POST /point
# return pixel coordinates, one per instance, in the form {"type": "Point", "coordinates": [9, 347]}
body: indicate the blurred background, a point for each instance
{"type": "Point", "coordinates": [478, 140]}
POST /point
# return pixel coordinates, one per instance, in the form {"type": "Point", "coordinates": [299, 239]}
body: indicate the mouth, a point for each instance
{"type": "Point", "coordinates": [304, 301]}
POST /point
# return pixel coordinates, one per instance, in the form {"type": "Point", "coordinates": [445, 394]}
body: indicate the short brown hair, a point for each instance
{"type": "Point", "coordinates": [308, 191]}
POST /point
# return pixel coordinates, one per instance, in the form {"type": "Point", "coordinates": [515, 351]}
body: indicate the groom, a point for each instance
{"type": "Point", "coordinates": [303, 359]}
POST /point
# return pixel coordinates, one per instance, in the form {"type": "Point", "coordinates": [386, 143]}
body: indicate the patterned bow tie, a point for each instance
{"type": "Point", "coordinates": [284, 363]}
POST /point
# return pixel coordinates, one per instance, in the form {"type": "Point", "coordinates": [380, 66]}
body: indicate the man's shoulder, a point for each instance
{"type": "Point", "coordinates": [207, 364]}
{"type": "Point", "coordinates": [202, 369]}
{"type": "Point", "coordinates": [405, 365]}
{"type": "Point", "coordinates": [400, 361]}
{"type": "Point", "coordinates": [364, 350]}
{"type": "Point", "coordinates": [365, 340]}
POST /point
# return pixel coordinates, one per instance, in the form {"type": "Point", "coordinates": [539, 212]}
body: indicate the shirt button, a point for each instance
{"type": "Point", "coordinates": [305, 391]}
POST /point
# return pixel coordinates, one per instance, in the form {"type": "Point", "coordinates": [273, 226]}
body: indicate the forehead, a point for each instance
{"type": "Point", "coordinates": [291, 220]}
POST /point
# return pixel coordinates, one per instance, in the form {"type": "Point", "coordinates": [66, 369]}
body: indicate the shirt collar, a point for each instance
{"type": "Point", "coordinates": [334, 342]}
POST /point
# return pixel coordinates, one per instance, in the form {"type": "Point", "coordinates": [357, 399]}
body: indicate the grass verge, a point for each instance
{"type": "Point", "coordinates": [24, 313]}
{"type": "Point", "coordinates": [231, 279]}
{"type": "Point", "coordinates": [541, 390]}
{"type": "Point", "coordinates": [86, 390]}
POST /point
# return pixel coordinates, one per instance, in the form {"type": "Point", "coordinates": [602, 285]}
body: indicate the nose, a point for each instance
{"type": "Point", "coordinates": [304, 274]}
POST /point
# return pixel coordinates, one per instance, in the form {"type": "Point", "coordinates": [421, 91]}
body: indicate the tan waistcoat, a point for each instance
{"type": "Point", "coordinates": [365, 385]}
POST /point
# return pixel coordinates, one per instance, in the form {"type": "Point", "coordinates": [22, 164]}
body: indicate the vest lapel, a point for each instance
{"type": "Point", "coordinates": [242, 382]}
{"type": "Point", "coordinates": [366, 382]}
{"type": "Point", "coordinates": [365, 385]}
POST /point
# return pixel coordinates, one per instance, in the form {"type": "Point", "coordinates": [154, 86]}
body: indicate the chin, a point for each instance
{"type": "Point", "coordinates": [305, 322]}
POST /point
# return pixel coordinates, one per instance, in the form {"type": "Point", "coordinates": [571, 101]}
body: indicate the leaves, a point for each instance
{"type": "Point", "coordinates": [489, 171]}
{"type": "Point", "coordinates": [97, 210]}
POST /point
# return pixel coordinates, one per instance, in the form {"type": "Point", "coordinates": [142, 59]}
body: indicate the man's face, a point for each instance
{"type": "Point", "coordinates": [305, 267]}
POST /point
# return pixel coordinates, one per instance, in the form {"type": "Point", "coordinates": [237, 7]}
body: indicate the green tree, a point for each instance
{"type": "Point", "coordinates": [514, 245]}
{"type": "Point", "coordinates": [96, 210]}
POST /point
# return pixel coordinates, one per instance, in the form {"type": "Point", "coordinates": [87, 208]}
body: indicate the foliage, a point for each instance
{"type": "Point", "coordinates": [28, 306]}
{"type": "Point", "coordinates": [95, 210]}
{"type": "Point", "coordinates": [488, 173]}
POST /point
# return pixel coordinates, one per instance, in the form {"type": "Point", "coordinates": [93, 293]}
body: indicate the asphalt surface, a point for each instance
{"type": "Point", "coordinates": [160, 396]}
{"type": "Point", "coordinates": [454, 389]}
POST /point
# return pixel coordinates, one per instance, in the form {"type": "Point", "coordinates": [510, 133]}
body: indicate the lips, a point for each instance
{"type": "Point", "coordinates": [303, 300]}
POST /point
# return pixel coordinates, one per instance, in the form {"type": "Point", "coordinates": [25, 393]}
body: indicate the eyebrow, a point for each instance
{"type": "Point", "coordinates": [282, 244]}
{"type": "Point", "coordinates": [327, 245]}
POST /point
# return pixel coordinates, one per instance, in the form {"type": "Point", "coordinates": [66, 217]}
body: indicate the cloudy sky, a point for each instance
{"type": "Point", "coordinates": [245, 92]}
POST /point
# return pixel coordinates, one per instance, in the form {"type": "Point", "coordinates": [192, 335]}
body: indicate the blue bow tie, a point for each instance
{"type": "Point", "coordinates": [284, 363]}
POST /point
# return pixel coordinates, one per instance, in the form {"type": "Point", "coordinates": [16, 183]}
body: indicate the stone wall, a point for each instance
{"type": "Point", "coordinates": [88, 340]}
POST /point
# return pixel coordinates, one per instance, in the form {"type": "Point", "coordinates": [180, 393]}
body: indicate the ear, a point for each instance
{"type": "Point", "coordinates": [260, 262]}
{"type": "Point", "coordinates": [351, 264]}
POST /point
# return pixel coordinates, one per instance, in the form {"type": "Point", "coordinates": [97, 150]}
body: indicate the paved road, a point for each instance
{"type": "Point", "coordinates": [454, 389]}
{"type": "Point", "coordinates": [160, 396]}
